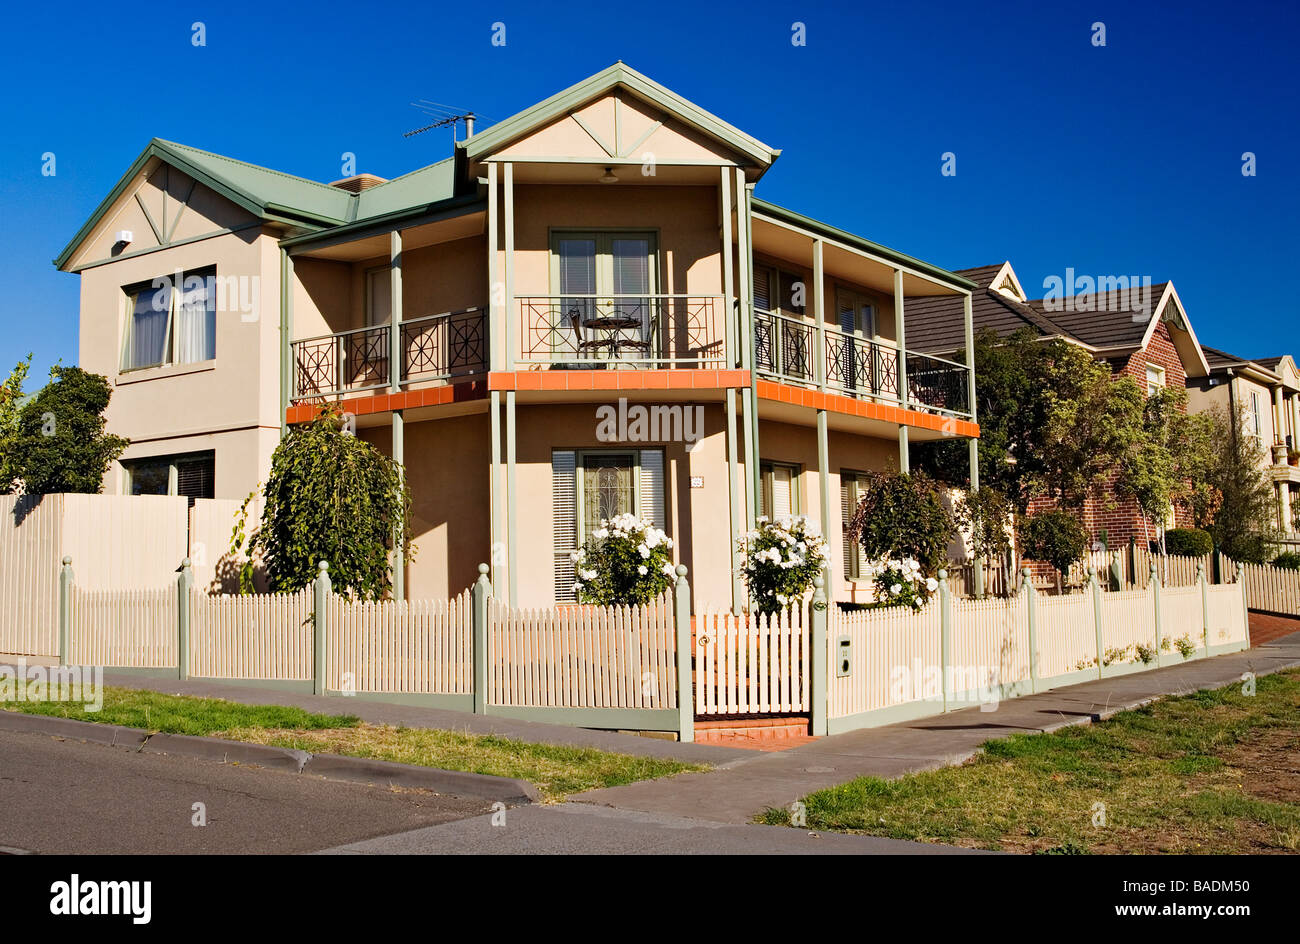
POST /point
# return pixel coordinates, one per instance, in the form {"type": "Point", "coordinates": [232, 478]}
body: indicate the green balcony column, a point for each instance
{"type": "Point", "coordinates": [819, 312]}
{"type": "Point", "coordinates": [395, 352]}
{"type": "Point", "coordinates": [730, 323]}
{"type": "Point", "coordinates": [733, 504]}
{"type": "Point", "coordinates": [512, 499]}
{"type": "Point", "coordinates": [509, 356]}
{"type": "Point", "coordinates": [399, 548]}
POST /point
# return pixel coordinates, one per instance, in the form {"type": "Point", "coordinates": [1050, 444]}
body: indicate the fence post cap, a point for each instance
{"type": "Point", "coordinates": [323, 566]}
{"type": "Point", "coordinates": [680, 571]}
{"type": "Point", "coordinates": [483, 569]}
{"type": "Point", "coordinates": [1024, 572]}
{"type": "Point", "coordinates": [185, 564]}
{"type": "Point", "coordinates": [67, 560]}
{"type": "Point", "coordinates": [1153, 566]}
{"type": "Point", "coordinates": [819, 582]}
{"type": "Point", "coordinates": [943, 573]}
{"type": "Point", "coordinates": [1241, 568]}
{"type": "Point", "coordinates": [1200, 567]}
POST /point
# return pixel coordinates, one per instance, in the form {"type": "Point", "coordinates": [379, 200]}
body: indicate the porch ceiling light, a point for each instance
{"type": "Point", "coordinates": [609, 177]}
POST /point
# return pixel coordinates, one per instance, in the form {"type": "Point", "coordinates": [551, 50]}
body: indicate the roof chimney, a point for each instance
{"type": "Point", "coordinates": [358, 183]}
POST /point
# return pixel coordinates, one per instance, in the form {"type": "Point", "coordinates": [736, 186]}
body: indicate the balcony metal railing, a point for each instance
{"type": "Point", "coordinates": [785, 346]}
{"type": "Point", "coordinates": [432, 347]}
{"type": "Point", "coordinates": [584, 332]}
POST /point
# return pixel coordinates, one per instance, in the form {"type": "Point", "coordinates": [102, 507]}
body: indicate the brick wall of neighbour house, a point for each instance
{"type": "Point", "coordinates": [1120, 518]}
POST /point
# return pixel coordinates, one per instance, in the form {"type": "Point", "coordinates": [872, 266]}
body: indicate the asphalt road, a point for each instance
{"type": "Point", "coordinates": [60, 796]}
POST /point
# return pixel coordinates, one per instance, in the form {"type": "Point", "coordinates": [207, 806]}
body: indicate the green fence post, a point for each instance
{"type": "Point", "coordinates": [65, 612]}
{"type": "Point", "coordinates": [820, 707]}
{"type": "Point", "coordinates": [1094, 586]}
{"type": "Point", "coordinates": [478, 630]}
{"type": "Point", "coordinates": [1155, 598]}
{"type": "Point", "coordinates": [1133, 559]}
{"type": "Point", "coordinates": [320, 620]}
{"type": "Point", "coordinates": [1205, 604]}
{"type": "Point", "coordinates": [1027, 588]}
{"type": "Point", "coordinates": [685, 679]}
{"type": "Point", "coordinates": [184, 581]}
{"type": "Point", "coordinates": [1245, 606]}
{"type": "Point", "coordinates": [1115, 573]}
{"type": "Point", "coordinates": [945, 639]}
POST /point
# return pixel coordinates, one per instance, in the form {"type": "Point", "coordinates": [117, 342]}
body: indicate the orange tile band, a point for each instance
{"type": "Point", "coordinates": [679, 379]}
{"type": "Point", "coordinates": [403, 400]}
{"type": "Point", "coordinates": [852, 406]}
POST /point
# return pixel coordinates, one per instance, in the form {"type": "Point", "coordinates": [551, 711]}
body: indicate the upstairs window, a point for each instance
{"type": "Point", "coordinates": [1155, 379]}
{"type": "Point", "coordinates": [171, 324]}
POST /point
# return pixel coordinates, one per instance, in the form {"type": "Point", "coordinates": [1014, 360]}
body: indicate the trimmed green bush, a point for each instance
{"type": "Point", "coordinates": [903, 515]}
{"type": "Point", "coordinates": [1188, 542]}
{"type": "Point", "coordinates": [1288, 560]}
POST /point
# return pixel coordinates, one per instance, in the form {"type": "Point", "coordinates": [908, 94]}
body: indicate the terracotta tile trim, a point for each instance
{"type": "Point", "coordinates": [557, 380]}
{"type": "Point", "coordinates": [852, 406]}
{"type": "Point", "coordinates": [403, 400]}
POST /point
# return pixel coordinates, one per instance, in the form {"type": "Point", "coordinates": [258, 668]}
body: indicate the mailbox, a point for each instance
{"type": "Point", "coordinates": [844, 656]}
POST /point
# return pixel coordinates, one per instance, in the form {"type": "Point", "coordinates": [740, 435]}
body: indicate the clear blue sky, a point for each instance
{"type": "Point", "coordinates": [1117, 160]}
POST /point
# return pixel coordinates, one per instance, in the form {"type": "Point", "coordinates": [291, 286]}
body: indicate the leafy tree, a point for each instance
{"type": "Point", "coordinates": [903, 515]}
{"type": "Point", "coordinates": [60, 444]}
{"type": "Point", "coordinates": [11, 392]}
{"type": "Point", "coordinates": [1167, 464]}
{"type": "Point", "coordinates": [1052, 421]}
{"type": "Point", "coordinates": [1242, 519]}
{"type": "Point", "coordinates": [330, 496]}
{"type": "Point", "coordinates": [1188, 542]}
{"type": "Point", "coordinates": [1057, 537]}
{"type": "Point", "coordinates": [986, 515]}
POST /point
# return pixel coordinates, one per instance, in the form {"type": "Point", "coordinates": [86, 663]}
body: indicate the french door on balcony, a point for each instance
{"type": "Point", "coordinates": [606, 286]}
{"type": "Point", "coordinates": [859, 362]}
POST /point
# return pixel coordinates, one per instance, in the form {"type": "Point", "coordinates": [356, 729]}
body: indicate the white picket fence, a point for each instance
{"type": "Point", "coordinates": [582, 656]}
{"type": "Point", "coordinates": [124, 627]}
{"type": "Point", "coordinates": [421, 646]}
{"type": "Point", "coordinates": [258, 636]}
{"type": "Point", "coordinates": [1274, 589]}
{"type": "Point", "coordinates": [880, 658]}
{"type": "Point", "coordinates": [755, 663]}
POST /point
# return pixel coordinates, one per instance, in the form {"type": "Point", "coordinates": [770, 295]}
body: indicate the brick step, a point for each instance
{"type": "Point", "coordinates": [760, 728]}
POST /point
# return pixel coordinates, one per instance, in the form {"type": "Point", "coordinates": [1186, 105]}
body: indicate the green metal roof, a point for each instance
{"type": "Point", "coordinates": [502, 133]}
{"type": "Point", "coordinates": [431, 184]}
{"type": "Point", "coordinates": [858, 242]}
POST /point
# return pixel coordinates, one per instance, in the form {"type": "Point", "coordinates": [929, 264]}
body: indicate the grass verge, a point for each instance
{"type": "Point", "coordinates": [1211, 772]}
{"type": "Point", "coordinates": [555, 770]}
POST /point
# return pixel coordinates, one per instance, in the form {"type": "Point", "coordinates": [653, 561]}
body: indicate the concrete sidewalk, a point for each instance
{"type": "Point", "coordinates": [740, 792]}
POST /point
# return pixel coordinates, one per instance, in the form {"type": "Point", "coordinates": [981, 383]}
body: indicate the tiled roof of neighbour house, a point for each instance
{"type": "Point", "coordinates": [936, 323]}
{"type": "Point", "coordinates": [1269, 362]}
{"type": "Point", "coordinates": [1114, 321]}
{"type": "Point", "coordinates": [1222, 360]}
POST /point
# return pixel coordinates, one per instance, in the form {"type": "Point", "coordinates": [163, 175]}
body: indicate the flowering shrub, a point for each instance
{"type": "Point", "coordinates": [625, 562]}
{"type": "Point", "coordinates": [898, 582]}
{"type": "Point", "coordinates": [782, 558]}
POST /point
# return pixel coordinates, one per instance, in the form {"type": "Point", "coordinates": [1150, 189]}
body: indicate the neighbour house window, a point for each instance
{"type": "Point", "coordinates": [1155, 378]}
{"type": "Point", "coordinates": [167, 324]}
{"type": "Point", "coordinates": [779, 495]}
{"type": "Point", "coordinates": [1256, 417]}
{"type": "Point", "coordinates": [591, 485]}
{"type": "Point", "coordinates": [192, 475]}
{"type": "Point", "coordinates": [851, 484]}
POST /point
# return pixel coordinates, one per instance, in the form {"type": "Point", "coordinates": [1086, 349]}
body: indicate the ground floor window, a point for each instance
{"type": "Point", "coordinates": [591, 485]}
{"type": "Point", "coordinates": [191, 474]}
{"type": "Point", "coordinates": [779, 495]}
{"type": "Point", "coordinates": [851, 484]}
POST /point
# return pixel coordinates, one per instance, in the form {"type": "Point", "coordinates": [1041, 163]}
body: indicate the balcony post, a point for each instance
{"type": "Point", "coordinates": [399, 549]}
{"type": "Point", "coordinates": [395, 311]}
{"type": "Point", "coordinates": [728, 279]}
{"type": "Point", "coordinates": [900, 333]}
{"type": "Point", "coordinates": [974, 442]}
{"type": "Point", "coordinates": [495, 288]}
{"type": "Point", "coordinates": [824, 488]}
{"type": "Point", "coordinates": [819, 312]}
{"type": "Point", "coordinates": [512, 499]}
{"type": "Point", "coordinates": [733, 504]}
{"type": "Point", "coordinates": [509, 355]}
{"type": "Point", "coordinates": [753, 478]}
{"type": "Point", "coordinates": [287, 372]}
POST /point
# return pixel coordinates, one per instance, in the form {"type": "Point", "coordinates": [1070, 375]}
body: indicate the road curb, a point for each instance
{"type": "Point", "coordinates": [390, 773]}
{"type": "Point", "coordinates": [227, 752]}
{"type": "Point", "coordinates": [326, 766]}
{"type": "Point", "coordinates": [112, 735]}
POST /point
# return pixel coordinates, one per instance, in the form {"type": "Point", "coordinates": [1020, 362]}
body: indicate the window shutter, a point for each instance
{"type": "Point", "coordinates": [194, 478]}
{"type": "Point", "coordinates": [565, 521]}
{"type": "Point", "coordinates": [652, 487]}
{"type": "Point", "coordinates": [782, 506]}
{"type": "Point", "coordinates": [847, 489]}
{"type": "Point", "coordinates": [631, 266]}
{"type": "Point", "coordinates": [763, 289]}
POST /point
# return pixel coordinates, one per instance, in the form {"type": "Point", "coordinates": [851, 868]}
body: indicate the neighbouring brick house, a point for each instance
{"type": "Point", "coordinates": [1143, 334]}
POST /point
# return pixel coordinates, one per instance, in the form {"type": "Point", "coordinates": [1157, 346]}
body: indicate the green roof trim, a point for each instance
{"type": "Point", "coordinates": [562, 103]}
{"type": "Point", "coordinates": [849, 239]}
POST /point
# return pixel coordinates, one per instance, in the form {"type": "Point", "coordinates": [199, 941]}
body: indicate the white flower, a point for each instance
{"type": "Point", "coordinates": [896, 589]}
{"type": "Point", "coordinates": [643, 551]}
{"type": "Point", "coordinates": [931, 584]}
{"type": "Point", "coordinates": [642, 570]}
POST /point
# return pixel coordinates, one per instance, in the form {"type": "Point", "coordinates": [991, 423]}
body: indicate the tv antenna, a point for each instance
{"type": "Point", "coordinates": [444, 116]}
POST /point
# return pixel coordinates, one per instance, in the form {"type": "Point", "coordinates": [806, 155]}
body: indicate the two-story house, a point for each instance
{"type": "Point", "coordinates": [584, 311]}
